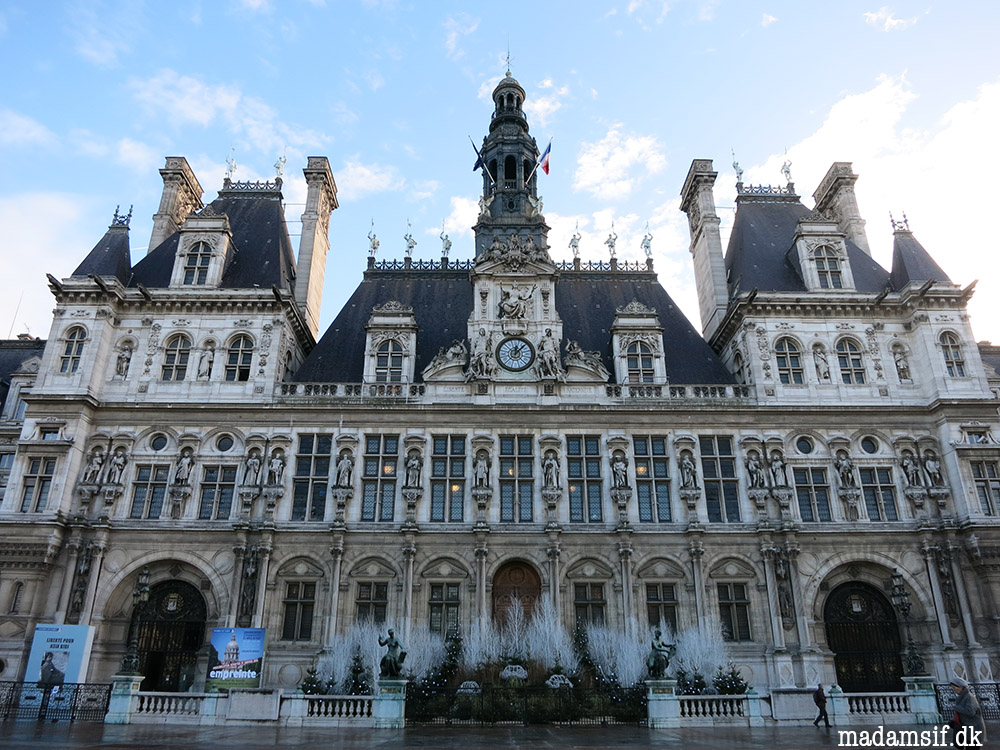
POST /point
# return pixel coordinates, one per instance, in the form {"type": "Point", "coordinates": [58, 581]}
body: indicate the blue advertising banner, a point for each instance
{"type": "Point", "coordinates": [235, 659]}
{"type": "Point", "coordinates": [59, 653]}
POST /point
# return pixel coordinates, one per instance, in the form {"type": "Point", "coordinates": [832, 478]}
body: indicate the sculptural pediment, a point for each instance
{"type": "Point", "coordinates": [372, 567]}
{"type": "Point", "coordinates": [445, 567]}
{"type": "Point", "coordinates": [514, 254]}
{"type": "Point", "coordinates": [589, 568]}
{"type": "Point", "coordinates": [301, 567]}
{"type": "Point", "coordinates": [661, 567]}
{"type": "Point", "coordinates": [732, 567]}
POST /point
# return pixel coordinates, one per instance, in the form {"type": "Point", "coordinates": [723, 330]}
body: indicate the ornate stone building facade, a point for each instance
{"type": "Point", "coordinates": [509, 426]}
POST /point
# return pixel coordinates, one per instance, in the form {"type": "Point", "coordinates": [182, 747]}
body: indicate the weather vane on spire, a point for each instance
{"type": "Point", "coordinates": [508, 55]}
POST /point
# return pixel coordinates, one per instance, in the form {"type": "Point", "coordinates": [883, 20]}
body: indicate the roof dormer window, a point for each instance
{"type": "Point", "coordinates": [828, 268]}
{"type": "Point", "coordinates": [389, 362]}
{"type": "Point", "coordinates": [196, 264]}
{"type": "Point", "coordinates": [69, 363]}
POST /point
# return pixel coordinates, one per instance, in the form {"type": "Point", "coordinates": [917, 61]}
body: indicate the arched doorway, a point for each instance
{"type": "Point", "coordinates": [171, 634]}
{"type": "Point", "coordinates": [515, 580]}
{"type": "Point", "coordinates": [862, 632]}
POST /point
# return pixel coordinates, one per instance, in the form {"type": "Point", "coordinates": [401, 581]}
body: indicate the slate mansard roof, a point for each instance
{"type": "Point", "coordinates": [13, 354]}
{"type": "Point", "coordinates": [442, 303]}
{"type": "Point", "coordinates": [263, 250]}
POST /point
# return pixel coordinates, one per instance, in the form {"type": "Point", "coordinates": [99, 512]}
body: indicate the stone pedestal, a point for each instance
{"type": "Point", "coordinates": [389, 706]}
{"type": "Point", "coordinates": [923, 700]}
{"type": "Point", "coordinates": [663, 707]}
{"type": "Point", "coordinates": [837, 707]}
{"type": "Point", "coordinates": [753, 709]}
{"type": "Point", "coordinates": [124, 696]}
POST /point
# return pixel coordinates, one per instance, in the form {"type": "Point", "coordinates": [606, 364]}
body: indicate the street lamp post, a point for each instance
{"type": "Point", "coordinates": [140, 597]}
{"type": "Point", "coordinates": [901, 600]}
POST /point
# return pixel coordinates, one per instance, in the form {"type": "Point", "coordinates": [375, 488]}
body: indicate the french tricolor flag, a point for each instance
{"type": "Point", "coordinates": [543, 160]}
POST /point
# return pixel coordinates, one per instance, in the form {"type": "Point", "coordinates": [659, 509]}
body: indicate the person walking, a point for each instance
{"type": "Point", "coordinates": [967, 710]}
{"type": "Point", "coordinates": [819, 698]}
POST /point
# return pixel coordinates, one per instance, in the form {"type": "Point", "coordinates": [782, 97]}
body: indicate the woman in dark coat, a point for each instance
{"type": "Point", "coordinates": [967, 707]}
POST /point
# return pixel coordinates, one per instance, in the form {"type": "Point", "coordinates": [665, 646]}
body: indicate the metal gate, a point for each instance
{"type": "Point", "coordinates": [862, 632]}
{"type": "Point", "coordinates": [988, 694]}
{"type": "Point", "coordinates": [171, 632]}
{"type": "Point", "coordinates": [524, 706]}
{"type": "Point", "coordinates": [70, 701]}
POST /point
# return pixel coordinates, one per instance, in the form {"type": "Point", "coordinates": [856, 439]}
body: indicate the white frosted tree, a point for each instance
{"type": "Point", "coordinates": [548, 642]}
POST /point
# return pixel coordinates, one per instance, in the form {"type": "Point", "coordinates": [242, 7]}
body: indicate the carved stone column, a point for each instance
{"type": "Point", "coordinates": [931, 559]}
{"type": "Point", "coordinates": [482, 552]}
{"type": "Point", "coordinates": [337, 552]}
{"type": "Point", "coordinates": [553, 552]}
{"type": "Point", "coordinates": [409, 553]}
{"type": "Point", "coordinates": [97, 549]}
{"type": "Point", "coordinates": [263, 564]}
{"type": "Point", "coordinates": [798, 602]}
{"type": "Point", "coordinates": [963, 595]}
{"type": "Point", "coordinates": [625, 564]}
{"type": "Point", "coordinates": [697, 552]}
{"type": "Point", "coordinates": [69, 573]}
{"type": "Point", "coordinates": [239, 550]}
{"type": "Point", "coordinates": [768, 552]}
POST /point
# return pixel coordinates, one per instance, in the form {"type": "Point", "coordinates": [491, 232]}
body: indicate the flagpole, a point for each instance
{"type": "Point", "coordinates": [483, 163]}
{"type": "Point", "coordinates": [535, 169]}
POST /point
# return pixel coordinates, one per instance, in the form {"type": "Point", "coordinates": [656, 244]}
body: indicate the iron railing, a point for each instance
{"type": "Point", "coordinates": [67, 702]}
{"type": "Point", "coordinates": [988, 694]}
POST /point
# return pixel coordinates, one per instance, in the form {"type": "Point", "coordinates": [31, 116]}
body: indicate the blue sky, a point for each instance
{"type": "Point", "coordinates": [95, 94]}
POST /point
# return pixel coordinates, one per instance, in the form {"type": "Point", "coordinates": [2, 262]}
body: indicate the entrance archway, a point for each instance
{"type": "Point", "coordinates": [862, 632]}
{"type": "Point", "coordinates": [171, 633]}
{"type": "Point", "coordinates": [515, 580]}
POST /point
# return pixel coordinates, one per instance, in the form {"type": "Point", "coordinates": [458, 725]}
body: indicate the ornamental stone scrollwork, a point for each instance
{"type": "Point", "coordinates": [516, 252]}
{"type": "Point", "coordinates": [875, 351]}
{"type": "Point", "coordinates": [401, 337]}
{"type": "Point", "coordinates": [265, 347]}
{"type": "Point", "coordinates": [635, 307]}
{"type": "Point", "coordinates": [454, 355]}
{"type": "Point", "coordinates": [652, 340]}
{"type": "Point", "coordinates": [152, 345]}
{"type": "Point", "coordinates": [392, 306]}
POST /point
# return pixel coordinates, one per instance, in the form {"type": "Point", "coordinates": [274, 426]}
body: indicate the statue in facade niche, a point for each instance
{"type": "Point", "coordinates": [275, 468]}
{"type": "Point", "coordinates": [514, 302]}
{"type": "Point", "coordinates": [481, 470]}
{"type": "Point", "coordinates": [689, 474]}
{"type": "Point", "coordinates": [932, 465]}
{"type": "Point", "coordinates": [548, 356]}
{"type": "Point", "coordinates": [845, 467]}
{"type": "Point", "coordinates": [755, 471]}
{"type": "Point", "coordinates": [902, 365]}
{"type": "Point", "coordinates": [482, 364]}
{"type": "Point", "coordinates": [822, 363]}
{"type": "Point", "coordinates": [251, 468]}
{"type": "Point", "coordinates": [182, 469]}
{"type": "Point", "coordinates": [205, 363]}
{"type": "Point", "coordinates": [122, 363]}
{"type": "Point", "coordinates": [117, 466]}
{"type": "Point", "coordinates": [911, 468]}
{"type": "Point", "coordinates": [619, 471]}
{"type": "Point", "coordinates": [414, 463]}
{"type": "Point", "coordinates": [92, 473]}
{"type": "Point", "coordinates": [345, 466]}
{"type": "Point", "coordinates": [778, 476]}
{"type": "Point", "coordinates": [550, 471]}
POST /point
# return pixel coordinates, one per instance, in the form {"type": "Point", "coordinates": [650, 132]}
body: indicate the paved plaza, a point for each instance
{"type": "Point", "coordinates": [28, 735]}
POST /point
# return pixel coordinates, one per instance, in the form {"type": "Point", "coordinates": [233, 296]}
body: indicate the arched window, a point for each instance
{"type": "Point", "coordinates": [76, 337]}
{"type": "Point", "coordinates": [196, 264]}
{"type": "Point", "coordinates": [175, 357]}
{"type": "Point", "coordinates": [238, 360]}
{"type": "Point", "coordinates": [789, 360]}
{"type": "Point", "coordinates": [389, 362]}
{"type": "Point", "coordinates": [15, 599]}
{"type": "Point", "coordinates": [639, 361]}
{"type": "Point", "coordinates": [740, 368]}
{"type": "Point", "coordinates": [952, 351]}
{"type": "Point", "coordinates": [828, 268]}
{"type": "Point", "coordinates": [851, 361]}
{"type": "Point", "coordinates": [510, 172]}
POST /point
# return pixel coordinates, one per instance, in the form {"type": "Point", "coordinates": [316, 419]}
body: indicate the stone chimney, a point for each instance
{"type": "Point", "coordinates": [698, 202]}
{"type": "Point", "coordinates": [181, 195]}
{"type": "Point", "coordinates": [835, 198]}
{"type": "Point", "coordinates": [321, 199]}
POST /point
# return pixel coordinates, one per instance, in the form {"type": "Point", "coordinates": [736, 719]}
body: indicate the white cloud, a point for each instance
{"type": "Point", "coordinates": [885, 18]}
{"type": "Point", "coordinates": [186, 100]}
{"type": "Point", "coordinates": [374, 79]}
{"type": "Point", "coordinates": [423, 190]}
{"type": "Point", "coordinates": [102, 33]}
{"type": "Point", "coordinates": [355, 179]}
{"type": "Point", "coordinates": [137, 156]}
{"type": "Point", "coordinates": [3, 24]}
{"type": "Point", "coordinates": [541, 107]}
{"type": "Point", "coordinates": [458, 26]}
{"type": "Point", "coordinates": [486, 88]}
{"type": "Point", "coordinates": [57, 230]}
{"type": "Point", "coordinates": [20, 130]}
{"type": "Point", "coordinates": [767, 19]}
{"type": "Point", "coordinates": [256, 5]}
{"type": "Point", "coordinates": [462, 217]}
{"type": "Point", "coordinates": [610, 168]}
{"type": "Point", "coordinates": [926, 173]}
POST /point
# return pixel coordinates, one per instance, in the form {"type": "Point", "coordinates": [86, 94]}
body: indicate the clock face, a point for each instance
{"type": "Point", "coordinates": [515, 354]}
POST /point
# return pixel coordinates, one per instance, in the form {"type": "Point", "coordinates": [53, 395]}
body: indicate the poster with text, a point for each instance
{"type": "Point", "coordinates": [59, 654]}
{"type": "Point", "coordinates": [235, 659]}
